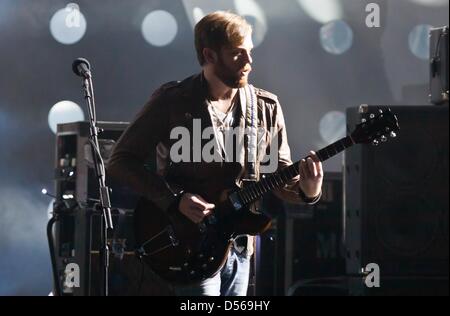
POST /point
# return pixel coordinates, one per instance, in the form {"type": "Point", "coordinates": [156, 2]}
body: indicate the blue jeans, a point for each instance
{"type": "Point", "coordinates": [231, 280]}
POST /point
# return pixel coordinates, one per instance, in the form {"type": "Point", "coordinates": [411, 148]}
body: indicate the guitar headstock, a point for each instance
{"type": "Point", "coordinates": [377, 128]}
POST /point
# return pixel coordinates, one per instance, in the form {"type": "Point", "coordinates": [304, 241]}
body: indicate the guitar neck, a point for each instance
{"type": "Point", "coordinates": [279, 179]}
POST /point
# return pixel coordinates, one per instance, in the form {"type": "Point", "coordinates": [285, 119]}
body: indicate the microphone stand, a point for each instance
{"type": "Point", "coordinates": [105, 203]}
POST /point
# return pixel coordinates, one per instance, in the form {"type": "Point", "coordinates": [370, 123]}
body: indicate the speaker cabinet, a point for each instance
{"type": "Point", "coordinates": [396, 196]}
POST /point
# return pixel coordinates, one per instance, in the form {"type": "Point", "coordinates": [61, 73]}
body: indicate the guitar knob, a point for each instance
{"type": "Point", "coordinates": [380, 111]}
{"type": "Point", "coordinates": [192, 272]}
{"type": "Point", "coordinates": [204, 266]}
{"type": "Point", "coordinates": [393, 134]}
{"type": "Point", "coordinates": [200, 256]}
{"type": "Point", "coordinates": [211, 259]}
{"type": "Point", "coordinates": [363, 120]}
{"type": "Point", "coordinates": [186, 264]}
{"type": "Point", "coordinates": [383, 139]}
{"type": "Point", "coordinates": [375, 142]}
{"type": "Point", "coordinates": [372, 116]}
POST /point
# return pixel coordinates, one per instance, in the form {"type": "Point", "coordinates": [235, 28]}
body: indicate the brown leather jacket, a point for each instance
{"type": "Point", "coordinates": [177, 104]}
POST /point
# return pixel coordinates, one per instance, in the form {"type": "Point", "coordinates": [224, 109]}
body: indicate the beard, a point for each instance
{"type": "Point", "coordinates": [231, 78]}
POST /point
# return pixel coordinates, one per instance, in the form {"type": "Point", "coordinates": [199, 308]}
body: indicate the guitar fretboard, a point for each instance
{"type": "Point", "coordinates": [280, 178]}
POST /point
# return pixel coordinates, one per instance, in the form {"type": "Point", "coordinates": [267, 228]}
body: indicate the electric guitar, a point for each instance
{"type": "Point", "coordinates": [182, 252]}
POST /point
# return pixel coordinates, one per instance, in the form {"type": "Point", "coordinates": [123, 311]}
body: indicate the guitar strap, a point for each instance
{"type": "Point", "coordinates": [248, 97]}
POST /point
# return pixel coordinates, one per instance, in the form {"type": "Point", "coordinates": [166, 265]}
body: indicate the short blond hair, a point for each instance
{"type": "Point", "coordinates": [220, 29]}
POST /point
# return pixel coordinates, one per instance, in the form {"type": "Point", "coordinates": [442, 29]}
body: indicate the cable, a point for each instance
{"type": "Point", "coordinates": [51, 245]}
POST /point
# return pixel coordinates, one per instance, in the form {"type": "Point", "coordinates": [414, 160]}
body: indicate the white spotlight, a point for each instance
{"type": "Point", "coordinates": [323, 11]}
{"type": "Point", "coordinates": [64, 112]}
{"type": "Point", "coordinates": [336, 37]}
{"type": "Point", "coordinates": [68, 25]}
{"type": "Point", "coordinates": [159, 28]}
{"type": "Point", "coordinates": [431, 3]}
{"type": "Point", "coordinates": [255, 16]}
{"type": "Point", "coordinates": [198, 14]}
{"type": "Point", "coordinates": [419, 41]}
{"type": "Point", "coordinates": [332, 126]}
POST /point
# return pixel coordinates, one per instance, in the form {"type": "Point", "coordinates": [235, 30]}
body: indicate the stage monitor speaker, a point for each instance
{"type": "Point", "coordinates": [396, 195]}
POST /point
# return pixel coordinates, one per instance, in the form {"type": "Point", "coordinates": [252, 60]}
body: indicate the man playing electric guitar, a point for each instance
{"type": "Point", "coordinates": [219, 98]}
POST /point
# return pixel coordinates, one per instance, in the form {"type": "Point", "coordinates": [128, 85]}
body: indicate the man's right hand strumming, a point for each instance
{"type": "Point", "coordinates": [195, 207]}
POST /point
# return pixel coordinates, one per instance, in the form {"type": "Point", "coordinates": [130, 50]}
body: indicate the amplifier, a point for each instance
{"type": "Point", "coordinates": [78, 230]}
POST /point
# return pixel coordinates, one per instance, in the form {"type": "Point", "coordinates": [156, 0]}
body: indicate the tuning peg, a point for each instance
{"type": "Point", "coordinates": [393, 134]}
{"type": "Point", "coordinates": [372, 116]}
{"type": "Point", "coordinates": [375, 142]}
{"type": "Point", "coordinates": [383, 139]}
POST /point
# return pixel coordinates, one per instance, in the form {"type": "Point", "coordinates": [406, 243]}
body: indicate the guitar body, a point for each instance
{"type": "Point", "coordinates": [183, 252]}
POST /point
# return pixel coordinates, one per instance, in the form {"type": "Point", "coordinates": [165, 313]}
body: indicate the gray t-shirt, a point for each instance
{"type": "Point", "coordinates": [223, 123]}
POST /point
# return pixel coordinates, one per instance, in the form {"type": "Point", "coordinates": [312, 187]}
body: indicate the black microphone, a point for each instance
{"type": "Point", "coordinates": [81, 67]}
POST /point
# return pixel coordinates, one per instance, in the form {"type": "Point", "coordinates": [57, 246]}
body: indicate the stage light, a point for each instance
{"type": "Point", "coordinates": [419, 41]}
{"type": "Point", "coordinates": [159, 28]}
{"type": "Point", "coordinates": [68, 25]}
{"type": "Point", "coordinates": [323, 11]}
{"type": "Point", "coordinates": [64, 112]}
{"type": "Point", "coordinates": [336, 37]}
{"type": "Point", "coordinates": [44, 191]}
{"type": "Point", "coordinates": [431, 3]}
{"type": "Point", "coordinates": [253, 13]}
{"type": "Point", "coordinates": [198, 14]}
{"type": "Point", "coordinates": [332, 126]}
